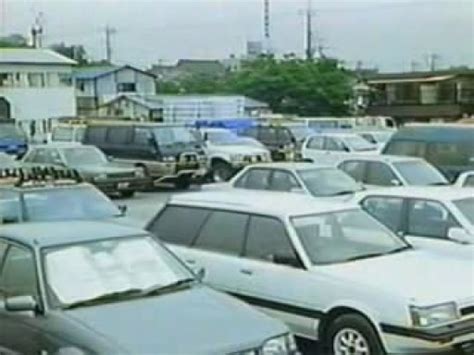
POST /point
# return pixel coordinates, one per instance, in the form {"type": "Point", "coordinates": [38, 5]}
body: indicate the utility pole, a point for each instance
{"type": "Point", "coordinates": [309, 31]}
{"type": "Point", "coordinates": [109, 32]}
{"type": "Point", "coordinates": [37, 31]}
{"type": "Point", "coordinates": [266, 26]}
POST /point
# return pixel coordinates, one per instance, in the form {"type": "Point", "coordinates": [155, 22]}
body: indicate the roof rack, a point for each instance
{"type": "Point", "coordinates": [35, 176]}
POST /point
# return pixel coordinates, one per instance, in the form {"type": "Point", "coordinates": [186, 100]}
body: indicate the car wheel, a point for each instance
{"type": "Point", "coordinates": [221, 171]}
{"type": "Point", "coordinates": [352, 334]}
{"type": "Point", "coordinates": [127, 194]}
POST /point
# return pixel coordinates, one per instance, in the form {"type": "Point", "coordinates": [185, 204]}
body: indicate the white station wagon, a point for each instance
{"type": "Point", "coordinates": [330, 271]}
{"type": "Point", "coordinates": [438, 218]}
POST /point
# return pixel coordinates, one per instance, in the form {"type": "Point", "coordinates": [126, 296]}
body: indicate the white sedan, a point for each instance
{"type": "Point", "coordinates": [440, 219]}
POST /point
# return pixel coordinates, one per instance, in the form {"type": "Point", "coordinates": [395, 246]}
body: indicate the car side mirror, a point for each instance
{"type": "Point", "coordinates": [123, 209]}
{"type": "Point", "coordinates": [200, 273]}
{"type": "Point", "coordinates": [205, 137]}
{"type": "Point", "coordinates": [395, 182]}
{"type": "Point", "coordinates": [21, 304]}
{"type": "Point", "coordinates": [460, 235]}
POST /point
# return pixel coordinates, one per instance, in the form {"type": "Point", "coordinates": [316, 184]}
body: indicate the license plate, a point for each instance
{"type": "Point", "coordinates": [123, 185]}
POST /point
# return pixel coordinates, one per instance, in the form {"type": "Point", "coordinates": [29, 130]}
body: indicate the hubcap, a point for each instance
{"type": "Point", "coordinates": [350, 342]}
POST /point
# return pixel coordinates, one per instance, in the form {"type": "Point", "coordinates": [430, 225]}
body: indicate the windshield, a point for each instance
{"type": "Point", "coordinates": [224, 138]}
{"type": "Point", "coordinates": [328, 182]}
{"type": "Point", "coordinates": [10, 131]}
{"type": "Point", "coordinates": [84, 156]}
{"type": "Point", "coordinates": [300, 132]}
{"type": "Point", "coordinates": [344, 236]}
{"type": "Point", "coordinates": [420, 173]}
{"type": "Point", "coordinates": [87, 271]}
{"type": "Point", "coordinates": [358, 144]}
{"type": "Point", "coordinates": [68, 203]}
{"type": "Point", "coordinates": [173, 135]}
{"type": "Point", "coordinates": [466, 206]}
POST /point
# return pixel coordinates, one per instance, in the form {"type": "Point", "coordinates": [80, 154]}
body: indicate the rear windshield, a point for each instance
{"type": "Point", "coordinates": [420, 173]}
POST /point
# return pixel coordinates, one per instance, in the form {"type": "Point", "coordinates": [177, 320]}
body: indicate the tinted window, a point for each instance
{"type": "Point", "coordinates": [283, 181]}
{"type": "Point", "coordinates": [387, 210]}
{"type": "Point", "coordinates": [429, 218]}
{"type": "Point", "coordinates": [380, 174]}
{"type": "Point", "coordinates": [409, 148]}
{"type": "Point", "coordinates": [316, 143]}
{"type": "Point", "coordinates": [250, 132]}
{"type": "Point", "coordinates": [268, 135]}
{"type": "Point", "coordinates": [18, 276]}
{"type": "Point", "coordinates": [267, 240]}
{"type": "Point", "coordinates": [355, 169]}
{"type": "Point", "coordinates": [179, 225]}
{"type": "Point", "coordinates": [96, 135]}
{"type": "Point", "coordinates": [333, 144]}
{"type": "Point", "coordinates": [255, 179]}
{"type": "Point", "coordinates": [223, 231]}
{"type": "Point", "coordinates": [118, 135]}
{"type": "Point", "coordinates": [448, 153]}
{"type": "Point", "coordinates": [420, 173]}
{"type": "Point", "coordinates": [142, 136]}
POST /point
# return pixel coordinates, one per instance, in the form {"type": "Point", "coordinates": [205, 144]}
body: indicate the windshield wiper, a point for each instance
{"type": "Point", "coordinates": [365, 256]}
{"type": "Point", "coordinates": [343, 192]}
{"type": "Point", "coordinates": [398, 250]}
{"type": "Point", "coordinates": [107, 297]}
{"type": "Point", "coordinates": [155, 290]}
{"type": "Point", "coordinates": [441, 183]}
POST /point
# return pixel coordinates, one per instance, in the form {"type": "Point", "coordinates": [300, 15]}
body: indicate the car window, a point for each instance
{"type": "Point", "coordinates": [334, 144]}
{"type": "Point", "coordinates": [254, 179]}
{"type": "Point", "coordinates": [316, 143]}
{"type": "Point", "coordinates": [18, 277]}
{"type": "Point", "coordinates": [284, 136]}
{"type": "Point", "coordinates": [368, 137]}
{"type": "Point", "coordinates": [168, 228]}
{"type": "Point", "coordinates": [420, 172]}
{"type": "Point", "coordinates": [251, 132]}
{"type": "Point", "coordinates": [404, 147]}
{"type": "Point", "coordinates": [267, 240]}
{"type": "Point", "coordinates": [268, 135]}
{"type": "Point", "coordinates": [448, 153]}
{"type": "Point", "coordinates": [380, 174]}
{"type": "Point", "coordinates": [3, 249]}
{"type": "Point", "coordinates": [429, 219]}
{"type": "Point", "coordinates": [44, 156]}
{"type": "Point", "coordinates": [356, 169]}
{"type": "Point", "coordinates": [142, 136]}
{"type": "Point", "coordinates": [387, 210]}
{"type": "Point", "coordinates": [469, 181]}
{"type": "Point", "coordinates": [96, 135]}
{"type": "Point", "coordinates": [283, 181]}
{"type": "Point", "coordinates": [118, 135]}
{"type": "Point", "coordinates": [52, 156]}
{"type": "Point", "coordinates": [224, 232]}
{"type": "Point", "coordinates": [10, 207]}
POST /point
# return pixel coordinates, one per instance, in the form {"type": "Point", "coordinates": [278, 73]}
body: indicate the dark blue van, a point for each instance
{"type": "Point", "coordinates": [449, 147]}
{"type": "Point", "coordinates": [12, 140]}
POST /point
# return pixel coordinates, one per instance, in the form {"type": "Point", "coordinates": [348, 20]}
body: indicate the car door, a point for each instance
{"type": "Point", "coordinates": [427, 225]}
{"type": "Point", "coordinates": [18, 278]}
{"type": "Point", "coordinates": [313, 149]}
{"type": "Point", "coordinates": [335, 150]}
{"type": "Point", "coordinates": [118, 140]}
{"type": "Point", "coordinates": [275, 279]}
{"type": "Point", "coordinates": [388, 210]}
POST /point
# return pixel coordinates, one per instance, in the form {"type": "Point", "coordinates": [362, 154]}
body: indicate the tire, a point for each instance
{"type": "Point", "coordinates": [350, 331]}
{"type": "Point", "coordinates": [221, 171]}
{"type": "Point", "coordinates": [127, 194]}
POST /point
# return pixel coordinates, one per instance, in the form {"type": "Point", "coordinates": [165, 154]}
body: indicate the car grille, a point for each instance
{"type": "Point", "coordinates": [254, 158]}
{"type": "Point", "coordinates": [188, 158]}
{"type": "Point", "coordinates": [467, 311]}
{"type": "Point", "coordinates": [125, 175]}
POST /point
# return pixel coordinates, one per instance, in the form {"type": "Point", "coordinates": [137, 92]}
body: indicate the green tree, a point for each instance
{"type": "Point", "coordinates": [75, 52]}
{"type": "Point", "coordinates": [13, 40]}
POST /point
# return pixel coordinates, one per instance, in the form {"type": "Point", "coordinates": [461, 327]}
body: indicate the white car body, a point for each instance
{"type": "Point", "coordinates": [465, 179]}
{"type": "Point", "coordinates": [392, 163]}
{"type": "Point", "coordinates": [382, 289]}
{"type": "Point", "coordinates": [411, 199]}
{"type": "Point", "coordinates": [334, 147]}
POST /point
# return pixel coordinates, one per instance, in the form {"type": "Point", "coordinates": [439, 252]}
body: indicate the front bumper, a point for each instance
{"type": "Point", "coordinates": [442, 338]}
{"type": "Point", "coordinates": [192, 175]}
{"type": "Point", "coordinates": [111, 186]}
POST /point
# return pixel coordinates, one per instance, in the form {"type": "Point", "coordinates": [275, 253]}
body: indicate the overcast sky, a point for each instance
{"type": "Point", "coordinates": [384, 33]}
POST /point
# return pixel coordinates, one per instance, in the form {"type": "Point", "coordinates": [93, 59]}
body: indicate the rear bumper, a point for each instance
{"type": "Point", "coordinates": [122, 185]}
{"type": "Point", "coordinates": [448, 337]}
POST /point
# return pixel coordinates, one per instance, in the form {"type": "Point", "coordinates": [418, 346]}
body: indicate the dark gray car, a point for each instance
{"type": "Point", "coordinates": [93, 287]}
{"type": "Point", "coordinates": [91, 164]}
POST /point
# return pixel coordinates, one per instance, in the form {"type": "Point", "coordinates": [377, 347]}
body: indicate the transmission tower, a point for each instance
{"type": "Point", "coordinates": [266, 26]}
{"type": "Point", "coordinates": [109, 32]}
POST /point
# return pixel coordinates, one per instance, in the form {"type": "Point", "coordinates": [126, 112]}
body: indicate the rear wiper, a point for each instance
{"type": "Point", "coordinates": [155, 290]}
{"type": "Point", "coordinates": [113, 296]}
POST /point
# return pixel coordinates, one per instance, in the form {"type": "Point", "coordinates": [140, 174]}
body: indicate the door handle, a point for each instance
{"type": "Point", "coordinates": [247, 272]}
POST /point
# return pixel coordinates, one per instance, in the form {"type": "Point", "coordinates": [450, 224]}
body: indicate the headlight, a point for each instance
{"type": "Point", "coordinates": [169, 159]}
{"type": "Point", "coordinates": [139, 173]}
{"type": "Point", "coordinates": [100, 177]}
{"type": "Point", "coordinates": [434, 315]}
{"type": "Point", "coordinates": [281, 345]}
{"type": "Point", "coordinates": [236, 157]}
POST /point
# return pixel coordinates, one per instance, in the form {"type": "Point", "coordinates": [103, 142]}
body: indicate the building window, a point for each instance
{"type": "Point", "coordinates": [66, 80]}
{"type": "Point", "coordinates": [36, 80]}
{"type": "Point", "coordinates": [126, 87]}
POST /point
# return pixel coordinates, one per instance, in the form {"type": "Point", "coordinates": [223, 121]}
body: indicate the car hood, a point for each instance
{"type": "Point", "coordinates": [238, 149]}
{"type": "Point", "coordinates": [102, 169]}
{"type": "Point", "coordinates": [422, 277]}
{"type": "Point", "coordinates": [194, 321]}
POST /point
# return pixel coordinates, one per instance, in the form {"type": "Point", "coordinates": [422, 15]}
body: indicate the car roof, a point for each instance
{"type": "Point", "coordinates": [49, 234]}
{"type": "Point", "coordinates": [281, 204]}
{"type": "Point", "coordinates": [440, 193]}
{"type": "Point", "coordinates": [290, 166]}
{"type": "Point", "coordinates": [62, 145]}
{"type": "Point", "coordinates": [379, 157]}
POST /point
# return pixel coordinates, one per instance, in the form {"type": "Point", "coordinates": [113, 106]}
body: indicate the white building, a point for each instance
{"type": "Point", "coordinates": [35, 85]}
{"type": "Point", "coordinates": [100, 84]}
{"type": "Point", "coordinates": [181, 108]}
